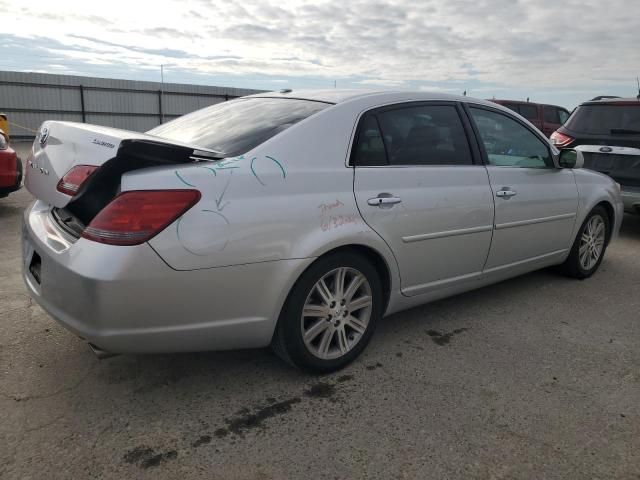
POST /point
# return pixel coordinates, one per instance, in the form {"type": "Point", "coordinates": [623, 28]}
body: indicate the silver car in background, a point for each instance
{"type": "Point", "coordinates": [298, 219]}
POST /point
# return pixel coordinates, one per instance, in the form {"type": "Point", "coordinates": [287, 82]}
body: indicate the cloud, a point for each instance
{"type": "Point", "coordinates": [522, 45]}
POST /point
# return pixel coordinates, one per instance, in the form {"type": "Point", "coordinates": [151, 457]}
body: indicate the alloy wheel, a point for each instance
{"type": "Point", "coordinates": [592, 242]}
{"type": "Point", "coordinates": [336, 313]}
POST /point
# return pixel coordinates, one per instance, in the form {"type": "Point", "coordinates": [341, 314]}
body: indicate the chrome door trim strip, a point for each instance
{"type": "Point", "coordinates": [528, 260]}
{"type": "Point", "coordinates": [521, 223]}
{"type": "Point", "coordinates": [447, 233]}
{"type": "Point", "coordinates": [416, 289]}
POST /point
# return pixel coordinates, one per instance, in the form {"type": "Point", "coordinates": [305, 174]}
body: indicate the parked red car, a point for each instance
{"type": "Point", "coordinates": [547, 118]}
{"type": "Point", "coordinates": [10, 168]}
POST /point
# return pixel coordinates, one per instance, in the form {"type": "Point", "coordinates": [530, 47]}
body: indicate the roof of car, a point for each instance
{"type": "Point", "coordinates": [524, 102]}
{"type": "Point", "coordinates": [615, 101]}
{"type": "Point", "coordinates": [343, 95]}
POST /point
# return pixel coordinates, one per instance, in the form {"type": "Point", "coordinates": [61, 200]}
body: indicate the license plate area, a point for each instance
{"type": "Point", "coordinates": [35, 267]}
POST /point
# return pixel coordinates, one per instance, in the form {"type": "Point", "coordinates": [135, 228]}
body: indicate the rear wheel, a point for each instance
{"type": "Point", "coordinates": [589, 246]}
{"type": "Point", "coordinates": [331, 313]}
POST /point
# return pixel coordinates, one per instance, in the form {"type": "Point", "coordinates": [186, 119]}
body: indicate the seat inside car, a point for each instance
{"type": "Point", "coordinates": [421, 146]}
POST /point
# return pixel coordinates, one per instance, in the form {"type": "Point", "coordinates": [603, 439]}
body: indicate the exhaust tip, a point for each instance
{"type": "Point", "coordinates": [101, 354]}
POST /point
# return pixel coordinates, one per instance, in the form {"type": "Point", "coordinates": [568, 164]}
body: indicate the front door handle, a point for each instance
{"type": "Point", "coordinates": [382, 201]}
{"type": "Point", "coordinates": [506, 193]}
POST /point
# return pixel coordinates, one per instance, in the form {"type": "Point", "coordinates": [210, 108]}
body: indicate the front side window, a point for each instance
{"type": "Point", "coordinates": [235, 127]}
{"type": "Point", "coordinates": [425, 135]}
{"type": "Point", "coordinates": [551, 115]}
{"type": "Point", "coordinates": [508, 143]}
{"type": "Point", "coordinates": [563, 115]}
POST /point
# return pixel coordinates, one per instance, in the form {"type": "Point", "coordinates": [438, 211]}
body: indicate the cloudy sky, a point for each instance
{"type": "Point", "coordinates": [551, 51]}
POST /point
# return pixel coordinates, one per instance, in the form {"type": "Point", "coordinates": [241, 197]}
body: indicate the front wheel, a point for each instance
{"type": "Point", "coordinates": [589, 246]}
{"type": "Point", "coordinates": [331, 313]}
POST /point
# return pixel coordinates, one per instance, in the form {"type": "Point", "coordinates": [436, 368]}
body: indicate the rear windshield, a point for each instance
{"type": "Point", "coordinates": [235, 127]}
{"type": "Point", "coordinates": [601, 119]}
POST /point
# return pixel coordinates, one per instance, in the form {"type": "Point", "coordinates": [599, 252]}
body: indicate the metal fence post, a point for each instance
{"type": "Point", "coordinates": [84, 114]}
{"type": "Point", "coordinates": [160, 114]}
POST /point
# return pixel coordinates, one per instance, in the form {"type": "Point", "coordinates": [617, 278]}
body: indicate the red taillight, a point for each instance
{"type": "Point", "coordinates": [134, 217]}
{"type": "Point", "coordinates": [560, 139]}
{"type": "Point", "coordinates": [70, 183]}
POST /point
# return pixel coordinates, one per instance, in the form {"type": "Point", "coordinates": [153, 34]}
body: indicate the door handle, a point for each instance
{"type": "Point", "coordinates": [380, 201]}
{"type": "Point", "coordinates": [506, 193]}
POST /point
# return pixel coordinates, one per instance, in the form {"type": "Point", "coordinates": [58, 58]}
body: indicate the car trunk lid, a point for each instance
{"type": "Point", "coordinates": [60, 146]}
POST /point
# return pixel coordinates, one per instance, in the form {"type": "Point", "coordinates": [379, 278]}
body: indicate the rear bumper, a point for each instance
{"type": "Point", "coordinates": [127, 300]}
{"type": "Point", "coordinates": [10, 175]}
{"type": "Point", "coordinates": [631, 199]}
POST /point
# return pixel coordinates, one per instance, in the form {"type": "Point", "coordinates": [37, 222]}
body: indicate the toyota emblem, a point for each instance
{"type": "Point", "coordinates": [44, 135]}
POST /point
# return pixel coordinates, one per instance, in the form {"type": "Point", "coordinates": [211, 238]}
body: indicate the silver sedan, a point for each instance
{"type": "Point", "coordinates": [298, 219]}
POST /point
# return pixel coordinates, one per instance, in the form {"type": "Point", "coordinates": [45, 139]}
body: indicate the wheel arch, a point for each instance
{"type": "Point", "coordinates": [372, 255]}
{"type": "Point", "coordinates": [611, 213]}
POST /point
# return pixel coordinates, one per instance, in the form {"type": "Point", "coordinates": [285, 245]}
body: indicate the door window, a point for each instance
{"type": "Point", "coordinates": [530, 112]}
{"type": "Point", "coordinates": [563, 115]}
{"type": "Point", "coordinates": [551, 115]}
{"type": "Point", "coordinates": [511, 106]}
{"type": "Point", "coordinates": [425, 135]}
{"type": "Point", "coordinates": [508, 143]}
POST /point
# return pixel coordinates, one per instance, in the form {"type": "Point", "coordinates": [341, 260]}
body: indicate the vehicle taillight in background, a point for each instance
{"type": "Point", "coordinates": [136, 216]}
{"type": "Point", "coordinates": [74, 178]}
{"type": "Point", "coordinates": [560, 139]}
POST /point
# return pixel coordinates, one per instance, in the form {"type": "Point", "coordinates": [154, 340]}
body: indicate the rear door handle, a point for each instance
{"type": "Point", "coordinates": [506, 193]}
{"type": "Point", "coordinates": [380, 201]}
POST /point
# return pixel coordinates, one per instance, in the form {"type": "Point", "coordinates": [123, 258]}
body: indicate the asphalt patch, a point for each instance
{"type": "Point", "coordinates": [203, 440]}
{"type": "Point", "coordinates": [249, 421]}
{"type": "Point", "coordinates": [321, 390]}
{"type": "Point", "coordinates": [146, 457]}
{"type": "Point", "coordinates": [443, 339]}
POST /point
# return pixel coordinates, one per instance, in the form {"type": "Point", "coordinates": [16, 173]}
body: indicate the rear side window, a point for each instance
{"type": "Point", "coordinates": [508, 143]}
{"type": "Point", "coordinates": [530, 112]}
{"type": "Point", "coordinates": [605, 119]}
{"type": "Point", "coordinates": [235, 127]}
{"type": "Point", "coordinates": [370, 146]}
{"type": "Point", "coordinates": [424, 135]}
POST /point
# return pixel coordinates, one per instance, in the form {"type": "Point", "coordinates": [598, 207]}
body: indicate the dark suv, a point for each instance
{"type": "Point", "coordinates": [608, 132]}
{"type": "Point", "coordinates": [546, 118]}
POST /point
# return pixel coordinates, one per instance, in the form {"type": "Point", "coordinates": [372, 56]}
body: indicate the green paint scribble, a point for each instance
{"type": "Point", "coordinates": [212, 170]}
{"type": "Point", "coordinates": [284, 174]}
{"type": "Point", "coordinates": [183, 180]}
{"type": "Point", "coordinates": [219, 214]}
{"type": "Point", "coordinates": [254, 172]}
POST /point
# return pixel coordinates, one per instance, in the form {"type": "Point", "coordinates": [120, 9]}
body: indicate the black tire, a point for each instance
{"type": "Point", "coordinates": [572, 266]}
{"type": "Point", "coordinates": [288, 342]}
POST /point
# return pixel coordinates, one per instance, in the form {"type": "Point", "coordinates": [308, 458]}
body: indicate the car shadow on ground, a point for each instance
{"type": "Point", "coordinates": [440, 319]}
{"type": "Point", "coordinates": [630, 227]}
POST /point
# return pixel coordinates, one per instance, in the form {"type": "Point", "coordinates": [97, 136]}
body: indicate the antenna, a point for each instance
{"type": "Point", "coordinates": [464, 94]}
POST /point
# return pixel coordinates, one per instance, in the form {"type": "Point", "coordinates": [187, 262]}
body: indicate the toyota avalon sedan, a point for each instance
{"type": "Point", "coordinates": [298, 219]}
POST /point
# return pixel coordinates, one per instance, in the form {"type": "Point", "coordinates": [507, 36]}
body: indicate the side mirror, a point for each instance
{"type": "Point", "coordinates": [570, 158]}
